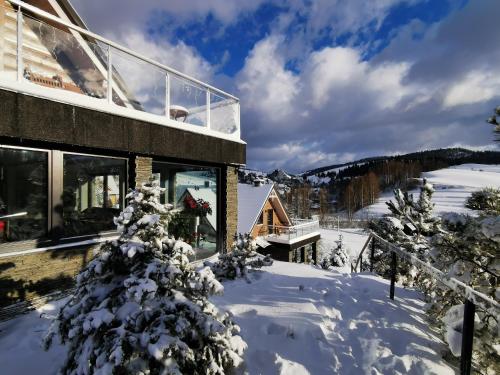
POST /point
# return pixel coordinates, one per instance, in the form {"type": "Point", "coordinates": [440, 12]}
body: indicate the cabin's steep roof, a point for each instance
{"type": "Point", "coordinates": [251, 200]}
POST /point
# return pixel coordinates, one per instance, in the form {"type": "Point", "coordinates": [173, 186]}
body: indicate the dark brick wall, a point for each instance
{"type": "Point", "coordinates": [28, 117]}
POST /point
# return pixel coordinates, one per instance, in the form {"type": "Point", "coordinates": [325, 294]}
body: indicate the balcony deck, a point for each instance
{"type": "Point", "coordinates": [48, 57]}
{"type": "Point", "coordinates": [301, 230]}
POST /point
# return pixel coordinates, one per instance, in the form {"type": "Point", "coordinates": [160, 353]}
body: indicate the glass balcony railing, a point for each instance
{"type": "Point", "coordinates": [38, 49]}
{"type": "Point", "coordinates": [287, 234]}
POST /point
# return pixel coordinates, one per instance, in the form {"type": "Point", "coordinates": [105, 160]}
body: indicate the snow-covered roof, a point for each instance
{"type": "Point", "coordinates": [209, 196]}
{"type": "Point", "coordinates": [251, 200]}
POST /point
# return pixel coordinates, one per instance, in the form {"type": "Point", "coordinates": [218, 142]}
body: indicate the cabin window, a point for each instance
{"type": "Point", "coordinates": [23, 194]}
{"type": "Point", "coordinates": [193, 193]}
{"type": "Point", "coordinates": [93, 193]}
{"type": "Point", "coordinates": [260, 220]}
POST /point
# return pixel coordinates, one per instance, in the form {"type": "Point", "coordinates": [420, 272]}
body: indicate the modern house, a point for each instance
{"type": "Point", "coordinates": [261, 213]}
{"type": "Point", "coordinates": [82, 120]}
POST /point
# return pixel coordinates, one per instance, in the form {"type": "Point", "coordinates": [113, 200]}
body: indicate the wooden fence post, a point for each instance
{"type": "Point", "coordinates": [394, 265]}
{"type": "Point", "coordinates": [467, 337]}
{"type": "Point", "coordinates": [372, 254]}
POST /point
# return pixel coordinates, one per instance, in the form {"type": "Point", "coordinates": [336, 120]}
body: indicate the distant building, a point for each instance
{"type": "Point", "coordinates": [261, 213]}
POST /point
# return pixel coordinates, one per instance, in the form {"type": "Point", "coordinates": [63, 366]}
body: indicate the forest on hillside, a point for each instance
{"type": "Point", "coordinates": [359, 184]}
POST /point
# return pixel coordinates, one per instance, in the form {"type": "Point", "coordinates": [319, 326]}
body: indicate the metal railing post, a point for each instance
{"type": "Point", "coordinates": [19, 61]}
{"type": "Point", "coordinates": [110, 76]}
{"type": "Point", "coordinates": [467, 338]}
{"type": "Point", "coordinates": [208, 108]}
{"type": "Point", "coordinates": [372, 254]}
{"type": "Point", "coordinates": [167, 94]}
{"type": "Point", "coordinates": [394, 265]}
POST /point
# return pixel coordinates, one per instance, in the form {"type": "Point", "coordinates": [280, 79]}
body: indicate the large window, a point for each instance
{"type": "Point", "coordinates": [77, 195]}
{"type": "Point", "coordinates": [193, 193]}
{"type": "Point", "coordinates": [23, 194]}
{"type": "Point", "coordinates": [93, 191]}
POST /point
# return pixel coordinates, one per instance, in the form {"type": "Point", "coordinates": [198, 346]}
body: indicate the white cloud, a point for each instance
{"type": "Point", "coordinates": [302, 156]}
{"type": "Point", "coordinates": [264, 82]}
{"type": "Point", "coordinates": [110, 15]}
{"type": "Point", "coordinates": [179, 56]}
{"type": "Point", "coordinates": [332, 71]}
{"type": "Point", "coordinates": [476, 87]}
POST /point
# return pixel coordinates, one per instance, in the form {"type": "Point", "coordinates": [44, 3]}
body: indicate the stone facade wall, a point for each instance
{"type": "Point", "coordinates": [24, 277]}
{"type": "Point", "coordinates": [143, 170]}
{"type": "Point", "coordinates": [231, 204]}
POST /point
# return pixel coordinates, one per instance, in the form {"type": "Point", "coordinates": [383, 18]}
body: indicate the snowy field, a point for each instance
{"type": "Point", "coordinates": [452, 187]}
{"type": "Point", "coordinates": [296, 319]}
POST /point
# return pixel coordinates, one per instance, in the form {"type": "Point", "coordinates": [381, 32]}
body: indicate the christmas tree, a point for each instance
{"type": "Point", "coordinates": [141, 308]}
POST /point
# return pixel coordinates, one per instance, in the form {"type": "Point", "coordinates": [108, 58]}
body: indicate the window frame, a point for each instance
{"type": "Point", "coordinates": [60, 185]}
{"type": "Point", "coordinates": [55, 186]}
{"type": "Point", "coordinates": [220, 235]}
{"type": "Point", "coordinates": [49, 187]}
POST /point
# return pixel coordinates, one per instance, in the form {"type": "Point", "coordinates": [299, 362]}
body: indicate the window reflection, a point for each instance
{"type": "Point", "coordinates": [23, 194]}
{"type": "Point", "coordinates": [193, 193]}
{"type": "Point", "coordinates": [93, 193]}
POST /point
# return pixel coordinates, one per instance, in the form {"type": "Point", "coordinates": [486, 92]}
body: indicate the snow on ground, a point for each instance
{"type": "Point", "coordinates": [296, 319]}
{"type": "Point", "coordinates": [20, 344]}
{"type": "Point", "coordinates": [452, 186]}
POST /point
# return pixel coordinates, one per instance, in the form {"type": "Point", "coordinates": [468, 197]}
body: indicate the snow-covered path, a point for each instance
{"type": "Point", "coordinates": [296, 319]}
{"type": "Point", "coordinates": [302, 320]}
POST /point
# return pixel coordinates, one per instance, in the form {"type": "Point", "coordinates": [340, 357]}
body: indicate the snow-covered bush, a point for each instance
{"type": "Point", "coordinates": [337, 257]}
{"type": "Point", "coordinates": [239, 259]}
{"type": "Point", "coordinates": [141, 308]}
{"type": "Point", "coordinates": [487, 200]}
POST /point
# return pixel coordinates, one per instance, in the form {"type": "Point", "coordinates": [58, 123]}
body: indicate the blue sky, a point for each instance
{"type": "Point", "coordinates": [328, 81]}
{"type": "Point", "coordinates": [227, 46]}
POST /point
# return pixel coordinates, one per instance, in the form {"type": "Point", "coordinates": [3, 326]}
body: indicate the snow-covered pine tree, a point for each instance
{"type": "Point", "coordinates": [242, 256]}
{"type": "Point", "coordinates": [486, 200]}
{"type": "Point", "coordinates": [141, 308]}
{"type": "Point", "coordinates": [410, 225]}
{"type": "Point", "coordinates": [337, 257]}
{"type": "Point", "coordinates": [426, 223]}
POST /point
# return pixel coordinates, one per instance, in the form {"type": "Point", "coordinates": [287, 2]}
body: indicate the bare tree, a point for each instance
{"type": "Point", "coordinates": [323, 204]}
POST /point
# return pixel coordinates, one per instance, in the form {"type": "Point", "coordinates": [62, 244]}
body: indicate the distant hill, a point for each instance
{"type": "Point", "coordinates": [430, 159]}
